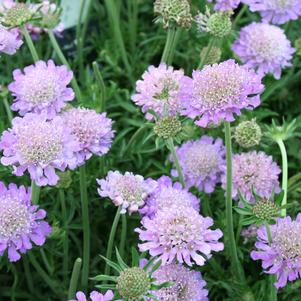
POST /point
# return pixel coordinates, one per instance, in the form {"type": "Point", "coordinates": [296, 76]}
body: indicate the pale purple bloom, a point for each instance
{"type": "Point", "coordinates": [181, 234]}
{"type": "Point", "coordinates": [10, 40]}
{"type": "Point", "coordinates": [128, 191]}
{"type": "Point", "coordinates": [41, 88]}
{"type": "Point", "coordinates": [249, 233]}
{"type": "Point", "coordinates": [163, 90]}
{"type": "Point", "coordinates": [39, 146]}
{"type": "Point", "coordinates": [276, 11]}
{"type": "Point", "coordinates": [283, 256]}
{"type": "Point", "coordinates": [225, 4]}
{"type": "Point", "coordinates": [264, 47]}
{"type": "Point", "coordinates": [21, 223]}
{"type": "Point", "coordinates": [94, 296]}
{"type": "Point", "coordinates": [168, 194]}
{"type": "Point", "coordinates": [254, 172]}
{"type": "Point", "coordinates": [202, 162]}
{"type": "Point", "coordinates": [220, 90]}
{"type": "Point", "coordinates": [189, 285]}
{"type": "Point", "coordinates": [93, 132]}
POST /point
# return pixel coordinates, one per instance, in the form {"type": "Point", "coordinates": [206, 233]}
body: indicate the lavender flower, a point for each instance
{"type": "Point", "coordinates": [276, 11]}
{"type": "Point", "coordinates": [39, 146]}
{"type": "Point", "coordinates": [179, 233]}
{"type": "Point", "coordinates": [92, 131]}
{"type": "Point", "coordinates": [95, 296]}
{"type": "Point", "coordinates": [41, 88]}
{"type": "Point", "coordinates": [128, 191]}
{"type": "Point", "coordinates": [254, 171]}
{"type": "Point", "coordinates": [189, 285]}
{"type": "Point", "coordinates": [225, 4]}
{"type": "Point", "coordinates": [264, 47]}
{"type": "Point", "coordinates": [222, 89]}
{"type": "Point", "coordinates": [283, 256]}
{"type": "Point", "coordinates": [20, 222]}
{"type": "Point", "coordinates": [162, 89]}
{"type": "Point", "coordinates": [167, 194]}
{"type": "Point", "coordinates": [10, 40]}
{"type": "Point", "coordinates": [203, 162]}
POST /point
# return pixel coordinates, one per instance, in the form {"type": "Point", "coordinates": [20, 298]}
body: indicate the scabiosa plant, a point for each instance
{"type": "Point", "coordinates": [220, 90]}
{"type": "Point", "coordinates": [203, 162]}
{"type": "Point", "coordinates": [21, 223]}
{"type": "Point", "coordinates": [248, 134]}
{"type": "Point", "coordinates": [10, 40]}
{"type": "Point", "coordinates": [276, 11]}
{"type": "Point", "coordinates": [41, 88]}
{"type": "Point", "coordinates": [92, 131]}
{"type": "Point", "coordinates": [39, 146]}
{"type": "Point", "coordinates": [281, 255]}
{"type": "Point", "coordinates": [128, 191]}
{"type": "Point", "coordinates": [94, 296]}
{"type": "Point", "coordinates": [162, 89]}
{"type": "Point", "coordinates": [167, 194]}
{"type": "Point", "coordinates": [225, 4]}
{"type": "Point", "coordinates": [179, 233]}
{"type": "Point", "coordinates": [264, 47]}
{"type": "Point", "coordinates": [254, 172]}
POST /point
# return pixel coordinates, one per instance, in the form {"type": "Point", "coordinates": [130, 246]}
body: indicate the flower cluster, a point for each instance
{"type": "Point", "coordinates": [226, 4]}
{"type": "Point", "coordinates": [95, 296]}
{"type": "Point", "coordinates": [10, 40]}
{"type": "Point", "coordinates": [21, 223]}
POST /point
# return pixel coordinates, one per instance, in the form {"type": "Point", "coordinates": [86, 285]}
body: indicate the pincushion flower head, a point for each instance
{"type": "Point", "coordinates": [21, 223]}
{"type": "Point", "coordinates": [220, 90]}
{"type": "Point", "coordinates": [283, 255]}
{"type": "Point", "coordinates": [41, 88]}
{"type": "Point", "coordinates": [264, 47]}
{"type": "Point", "coordinates": [276, 11]}
{"type": "Point", "coordinates": [225, 4]}
{"type": "Point", "coordinates": [39, 146]}
{"type": "Point", "coordinates": [254, 172]}
{"type": "Point", "coordinates": [162, 89]}
{"type": "Point", "coordinates": [181, 234]}
{"type": "Point", "coordinates": [95, 296]}
{"type": "Point", "coordinates": [128, 191]}
{"type": "Point", "coordinates": [203, 162]}
{"type": "Point", "coordinates": [92, 131]}
{"type": "Point", "coordinates": [168, 194]}
{"type": "Point", "coordinates": [10, 40]}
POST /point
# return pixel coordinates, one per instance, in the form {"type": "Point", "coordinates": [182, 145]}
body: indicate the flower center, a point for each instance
{"type": "Point", "coordinates": [165, 86]}
{"type": "Point", "coordinates": [131, 189]}
{"type": "Point", "coordinates": [282, 4]}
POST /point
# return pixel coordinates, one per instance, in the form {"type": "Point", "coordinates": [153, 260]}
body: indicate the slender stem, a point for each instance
{"type": "Point", "coordinates": [78, 33]}
{"type": "Point", "coordinates": [46, 262]}
{"type": "Point", "coordinates": [7, 109]}
{"type": "Point", "coordinates": [35, 192]}
{"type": "Point", "coordinates": [205, 57]}
{"type": "Point", "coordinates": [123, 235]}
{"type": "Point", "coordinates": [86, 225]}
{"type": "Point", "coordinates": [111, 239]}
{"type": "Point", "coordinates": [170, 46]}
{"type": "Point", "coordinates": [62, 58]}
{"type": "Point", "coordinates": [74, 278]}
{"type": "Point", "coordinates": [284, 174]}
{"type": "Point", "coordinates": [171, 147]}
{"type": "Point", "coordinates": [239, 15]}
{"type": "Point", "coordinates": [237, 269]}
{"type": "Point", "coordinates": [28, 274]}
{"type": "Point", "coordinates": [101, 85]}
{"type": "Point", "coordinates": [30, 44]}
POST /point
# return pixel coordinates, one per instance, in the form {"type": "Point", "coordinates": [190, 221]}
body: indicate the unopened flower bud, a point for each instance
{"type": "Point", "coordinates": [211, 57]}
{"type": "Point", "coordinates": [17, 15]}
{"type": "Point", "coordinates": [298, 46]}
{"type": "Point", "coordinates": [265, 210]}
{"type": "Point", "coordinates": [219, 24]}
{"type": "Point", "coordinates": [248, 134]}
{"type": "Point", "coordinates": [65, 179]}
{"type": "Point", "coordinates": [168, 127]}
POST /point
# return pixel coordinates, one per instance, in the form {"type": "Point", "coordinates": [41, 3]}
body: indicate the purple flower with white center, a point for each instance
{"type": "Point", "coordinates": [225, 4]}
{"type": "Point", "coordinates": [168, 194]}
{"type": "Point", "coordinates": [254, 171]}
{"type": "Point", "coordinates": [283, 255]}
{"type": "Point", "coordinates": [163, 90]}
{"type": "Point", "coordinates": [128, 191]}
{"type": "Point", "coordinates": [93, 132]}
{"type": "Point", "coordinates": [264, 47]}
{"type": "Point", "coordinates": [10, 40]}
{"type": "Point", "coordinates": [95, 296]}
{"type": "Point", "coordinates": [189, 284]}
{"type": "Point", "coordinates": [39, 146]}
{"type": "Point", "coordinates": [276, 11]}
{"type": "Point", "coordinates": [21, 223]}
{"type": "Point", "coordinates": [41, 88]}
{"type": "Point", "coordinates": [203, 162]}
{"type": "Point", "coordinates": [220, 90]}
{"type": "Point", "coordinates": [181, 234]}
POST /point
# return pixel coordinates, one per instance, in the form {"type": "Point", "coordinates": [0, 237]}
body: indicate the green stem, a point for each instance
{"type": "Point", "coordinates": [239, 15]}
{"type": "Point", "coordinates": [78, 33]}
{"type": "Point", "coordinates": [170, 45]}
{"type": "Point", "coordinates": [7, 109]}
{"type": "Point", "coordinates": [35, 192]}
{"type": "Point", "coordinates": [101, 85]}
{"type": "Point", "coordinates": [64, 61]}
{"type": "Point", "coordinates": [205, 57]}
{"type": "Point", "coordinates": [28, 274]}
{"type": "Point", "coordinates": [30, 44]}
{"type": "Point", "coordinates": [284, 174]}
{"type": "Point", "coordinates": [123, 235]}
{"type": "Point", "coordinates": [237, 269]}
{"type": "Point", "coordinates": [111, 239]}
{"type": "Point", "coordinates": [86, 225]}
{"type": "Point", "coordinates": [46, 262]}
{"type": "Point", "coordinates": [74, 278]}
{"type": "Point", "coordinates": [172, 149]}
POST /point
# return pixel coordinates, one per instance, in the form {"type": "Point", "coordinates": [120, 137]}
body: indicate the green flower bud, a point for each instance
{"type": "Point", "coordinates": [50, 21]}
{"type": "Point", "coordinates": [213, 56]}
{"type": "Point", "coordinates": [265, 210]}
{"type": "Point", "coordinates": [133, 283]}
{"type": "Point", "coordinates": [248, 134]}
{"type": "Point", "coordinates": [18, 15]}
{"type": "Point", "coordinates": [298, 46]}
{"type": "Point", "coordinates": [219, 24]}
{"type": "Point", "coordinates": [65, 179]}
{"type": "Point", "coordinates": [168, 127]}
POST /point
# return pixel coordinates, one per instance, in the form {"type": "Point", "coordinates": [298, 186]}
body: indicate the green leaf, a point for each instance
{"type": "Point", "coordinates": [120, 260]}
{"type": "Point", "coordinates": [249, 221]}
{"type": "Point", "coordinates": [156, 266]}
{"type": "Point", "coordinates": [135, 257]}
{"type": "Point", "coordinates": [104, 278]}
{"type": "Point", "coordinates": [112, 264]}
{"type": "Point", "coordinates": [149, 264]}
{"type": "Point", "coordinates": [243, 211]}
{"type": "Point", "coordinates": [162, 285]}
